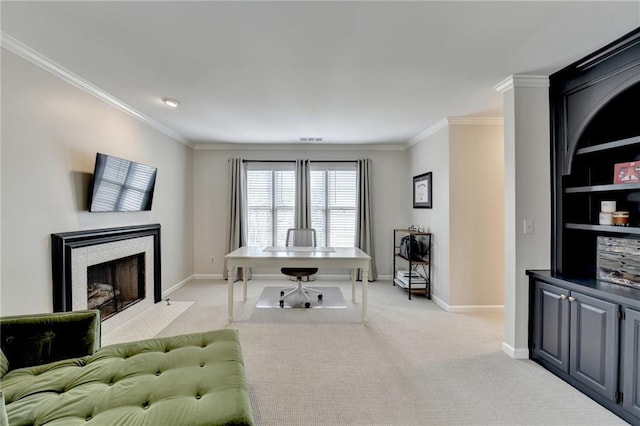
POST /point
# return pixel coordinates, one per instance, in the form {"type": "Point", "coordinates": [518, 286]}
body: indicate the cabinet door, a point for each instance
{"type": "Point", "coordinates": [631, 363]}
{"type": "Point", "coordinates": [594, 348]}
{"type": "Point", "coordinates": [551, 325]}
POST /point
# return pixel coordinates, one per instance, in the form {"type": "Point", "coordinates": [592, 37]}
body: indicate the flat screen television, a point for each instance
{"type": "Point", "coordinates": [121, 185]}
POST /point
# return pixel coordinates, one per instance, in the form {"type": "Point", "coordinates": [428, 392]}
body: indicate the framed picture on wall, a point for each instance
{"type": "Point", "coordinates": [422, 195]}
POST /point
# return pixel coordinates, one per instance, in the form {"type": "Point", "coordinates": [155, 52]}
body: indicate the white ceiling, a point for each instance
{"type": "Point", "coordinates": [350, 72]}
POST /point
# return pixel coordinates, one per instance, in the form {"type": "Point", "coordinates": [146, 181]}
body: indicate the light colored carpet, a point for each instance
{"type": "Point", "coordinates": [414, 364]}
{"type": "Point", "coordinates": [146, 324]}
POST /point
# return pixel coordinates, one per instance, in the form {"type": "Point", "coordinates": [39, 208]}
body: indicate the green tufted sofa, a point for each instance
{"type": "Point", "coordinates": [53, 372]}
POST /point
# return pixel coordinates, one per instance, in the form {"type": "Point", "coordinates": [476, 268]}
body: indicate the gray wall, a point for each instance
{"type": "Point", "coordinates": [51, 132]}
{"type": "Point", "coordinates": [390, 196]}
{"type": "Point", "coordinates": [467, 218]}
{"type": "Point", "coordinates": [432, 155]}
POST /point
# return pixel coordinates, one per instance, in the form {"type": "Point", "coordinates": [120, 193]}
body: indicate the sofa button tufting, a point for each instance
{"type": "Point", "coordinates": [158, 373]}
{"type": "Point", "coordinates": [88, 418]}
{"type": "Point", "coordinates": [145, 405]}
{"type": "Point", "coordinates": [198, 396]}
{"type": "Point", "coordinates": [202, 364]}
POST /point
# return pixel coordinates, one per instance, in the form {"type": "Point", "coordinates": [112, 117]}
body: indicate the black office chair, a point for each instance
{"type": "Point", "coordinates": [300, 237]}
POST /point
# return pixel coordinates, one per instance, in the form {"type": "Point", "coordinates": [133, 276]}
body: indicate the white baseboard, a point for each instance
{"type": "Point", "coordinates": [206, 276]}
{"type": "Point", "coordinates": [461, 309]}
{"type": "Point", "coordinates": [440, 302]}
{"type": "Point", "coordinates": [182, 283]}
{"type": "Point", "coordinates": [516, 353]}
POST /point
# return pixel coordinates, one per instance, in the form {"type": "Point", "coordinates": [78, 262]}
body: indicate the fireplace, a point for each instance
{"type": "Point", "coordinates": [115, 285]}
{"type": "Point", "coordinates": [115, 270]}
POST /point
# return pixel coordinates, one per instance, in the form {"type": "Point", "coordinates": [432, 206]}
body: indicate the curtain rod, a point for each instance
{"type": "Point", "coordinates": [293, 161]}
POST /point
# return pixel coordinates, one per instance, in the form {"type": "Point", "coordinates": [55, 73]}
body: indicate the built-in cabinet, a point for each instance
{"type": "Point", "coordinates": [595, 126]}
{"type": "Point", "coordinates": [585, 330]}
{"type": "Point", "coordinates": [577, 334]}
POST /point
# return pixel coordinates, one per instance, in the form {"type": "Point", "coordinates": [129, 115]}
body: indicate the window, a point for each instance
{"type": "Point", "coordinates": [333, 203]}
{"type": "Point", "coordinates": [270, 202]}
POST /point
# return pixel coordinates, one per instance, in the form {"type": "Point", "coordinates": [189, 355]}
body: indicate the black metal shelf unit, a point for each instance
{"type": "Point", "coordinates": [418, 274]}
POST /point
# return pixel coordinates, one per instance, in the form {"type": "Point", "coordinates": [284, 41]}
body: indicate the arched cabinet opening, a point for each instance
{"type": "Point", "coordinates": [612, 137]}
{"type": "Point", "coordinates": [585, 170]}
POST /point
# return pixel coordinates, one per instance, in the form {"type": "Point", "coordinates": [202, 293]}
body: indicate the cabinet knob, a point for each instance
{"type": "Point", "coordinates": [572, 299]}
{"type": "Point", "coordinates": [563, 296]}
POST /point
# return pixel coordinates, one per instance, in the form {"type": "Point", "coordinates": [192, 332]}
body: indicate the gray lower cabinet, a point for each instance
{"type": "Point", "coordinates": [578, 335]}
{"type": "Point", "coordinates": [588, 334]}
{"type": "Point", "coordinates": [630, 376]}
{"type": "Point", "coordinates": [594, 343]}
{"type": "Point", "coordinates": [551, 325]}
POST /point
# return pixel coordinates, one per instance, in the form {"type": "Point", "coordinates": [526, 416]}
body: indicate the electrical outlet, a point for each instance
{"type": "Point", "coordinates": [528, 226]}
{"type": "Point", "coordinates": [213, 260]}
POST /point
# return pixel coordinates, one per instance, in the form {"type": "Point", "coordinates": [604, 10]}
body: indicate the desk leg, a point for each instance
{"type": "Point", "coordinates": [365, 291]}
{"type": "Point", "coordinates": [230, 293]}
{"type": "Point", "coordinates": [244, 284]}
{"type": "Point", "coordinates": [354, 274]}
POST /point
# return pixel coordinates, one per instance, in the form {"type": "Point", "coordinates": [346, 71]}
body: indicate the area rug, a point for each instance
{"type": "Point", "coordinates": [146, 324]}
{"type": "Point", "coordinates": [331, 298]}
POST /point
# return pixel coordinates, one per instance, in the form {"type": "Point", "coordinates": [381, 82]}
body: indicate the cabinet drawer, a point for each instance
{"type": "Point", "coordinates": [611, 244]}
{"type": "Point", "coordinates": [629, 278]}
{"type": "Point", "coordinates": [632, 247]}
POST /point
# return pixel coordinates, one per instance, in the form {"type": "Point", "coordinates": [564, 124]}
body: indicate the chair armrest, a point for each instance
{"type": "Point", "coordinates": [28, 340]}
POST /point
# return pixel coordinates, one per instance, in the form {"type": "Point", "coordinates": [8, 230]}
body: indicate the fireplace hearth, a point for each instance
{"type": "Point", "coordinates": [106, 269]}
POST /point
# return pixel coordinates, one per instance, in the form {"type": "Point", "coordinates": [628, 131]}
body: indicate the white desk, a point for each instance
{"type": "Point", "coordinates": [341, 257]}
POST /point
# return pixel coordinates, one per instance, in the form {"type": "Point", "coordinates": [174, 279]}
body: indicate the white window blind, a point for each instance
{"type": "Point", "coordinates": [270, 202]}
{"type": "Point", "coordinates": [333, 203]}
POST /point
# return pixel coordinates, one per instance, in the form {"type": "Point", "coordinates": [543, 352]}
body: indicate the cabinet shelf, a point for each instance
{"type": "Point", "coordinates": [604, 228]}
{"type": "Point", "coordinates": [609, 145]}
{"type": "Point", "coordinates": [603, 188]}
{"type": "Point", "coordinates": [414, 262]}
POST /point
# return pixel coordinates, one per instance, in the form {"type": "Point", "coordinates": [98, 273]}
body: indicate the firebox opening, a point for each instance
{"type": "Point", "coordinates": [115, 285]}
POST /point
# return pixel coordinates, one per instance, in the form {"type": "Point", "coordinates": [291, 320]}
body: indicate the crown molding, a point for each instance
{"type": "Point", "coordinates": [25, 52]}
{"type": "Point", "coordinates": [520, 80]}
{"type": "Point", "coordinates": [475, 121]}
{"type": "Point", "coordinates": [454, 121]}
{"type": "Point", "coordinates": [218, 146]}
{"type": "Point", "coordinates": [442, 124]}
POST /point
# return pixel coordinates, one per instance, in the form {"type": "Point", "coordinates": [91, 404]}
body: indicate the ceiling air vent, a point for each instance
{"type": "Point", "coordinates": [310, 139]}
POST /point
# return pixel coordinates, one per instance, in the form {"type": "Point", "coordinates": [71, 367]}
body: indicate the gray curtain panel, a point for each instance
{"type": "Point", "coordinates": [364, 217]}
{"type": "Point", "coordinates": [303, 194]}
{"type": "Point", "coordinates": [237, 236]}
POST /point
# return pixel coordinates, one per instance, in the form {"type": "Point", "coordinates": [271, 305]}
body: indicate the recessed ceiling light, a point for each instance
{"type": "Point", "coordinates": [171, 102]}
